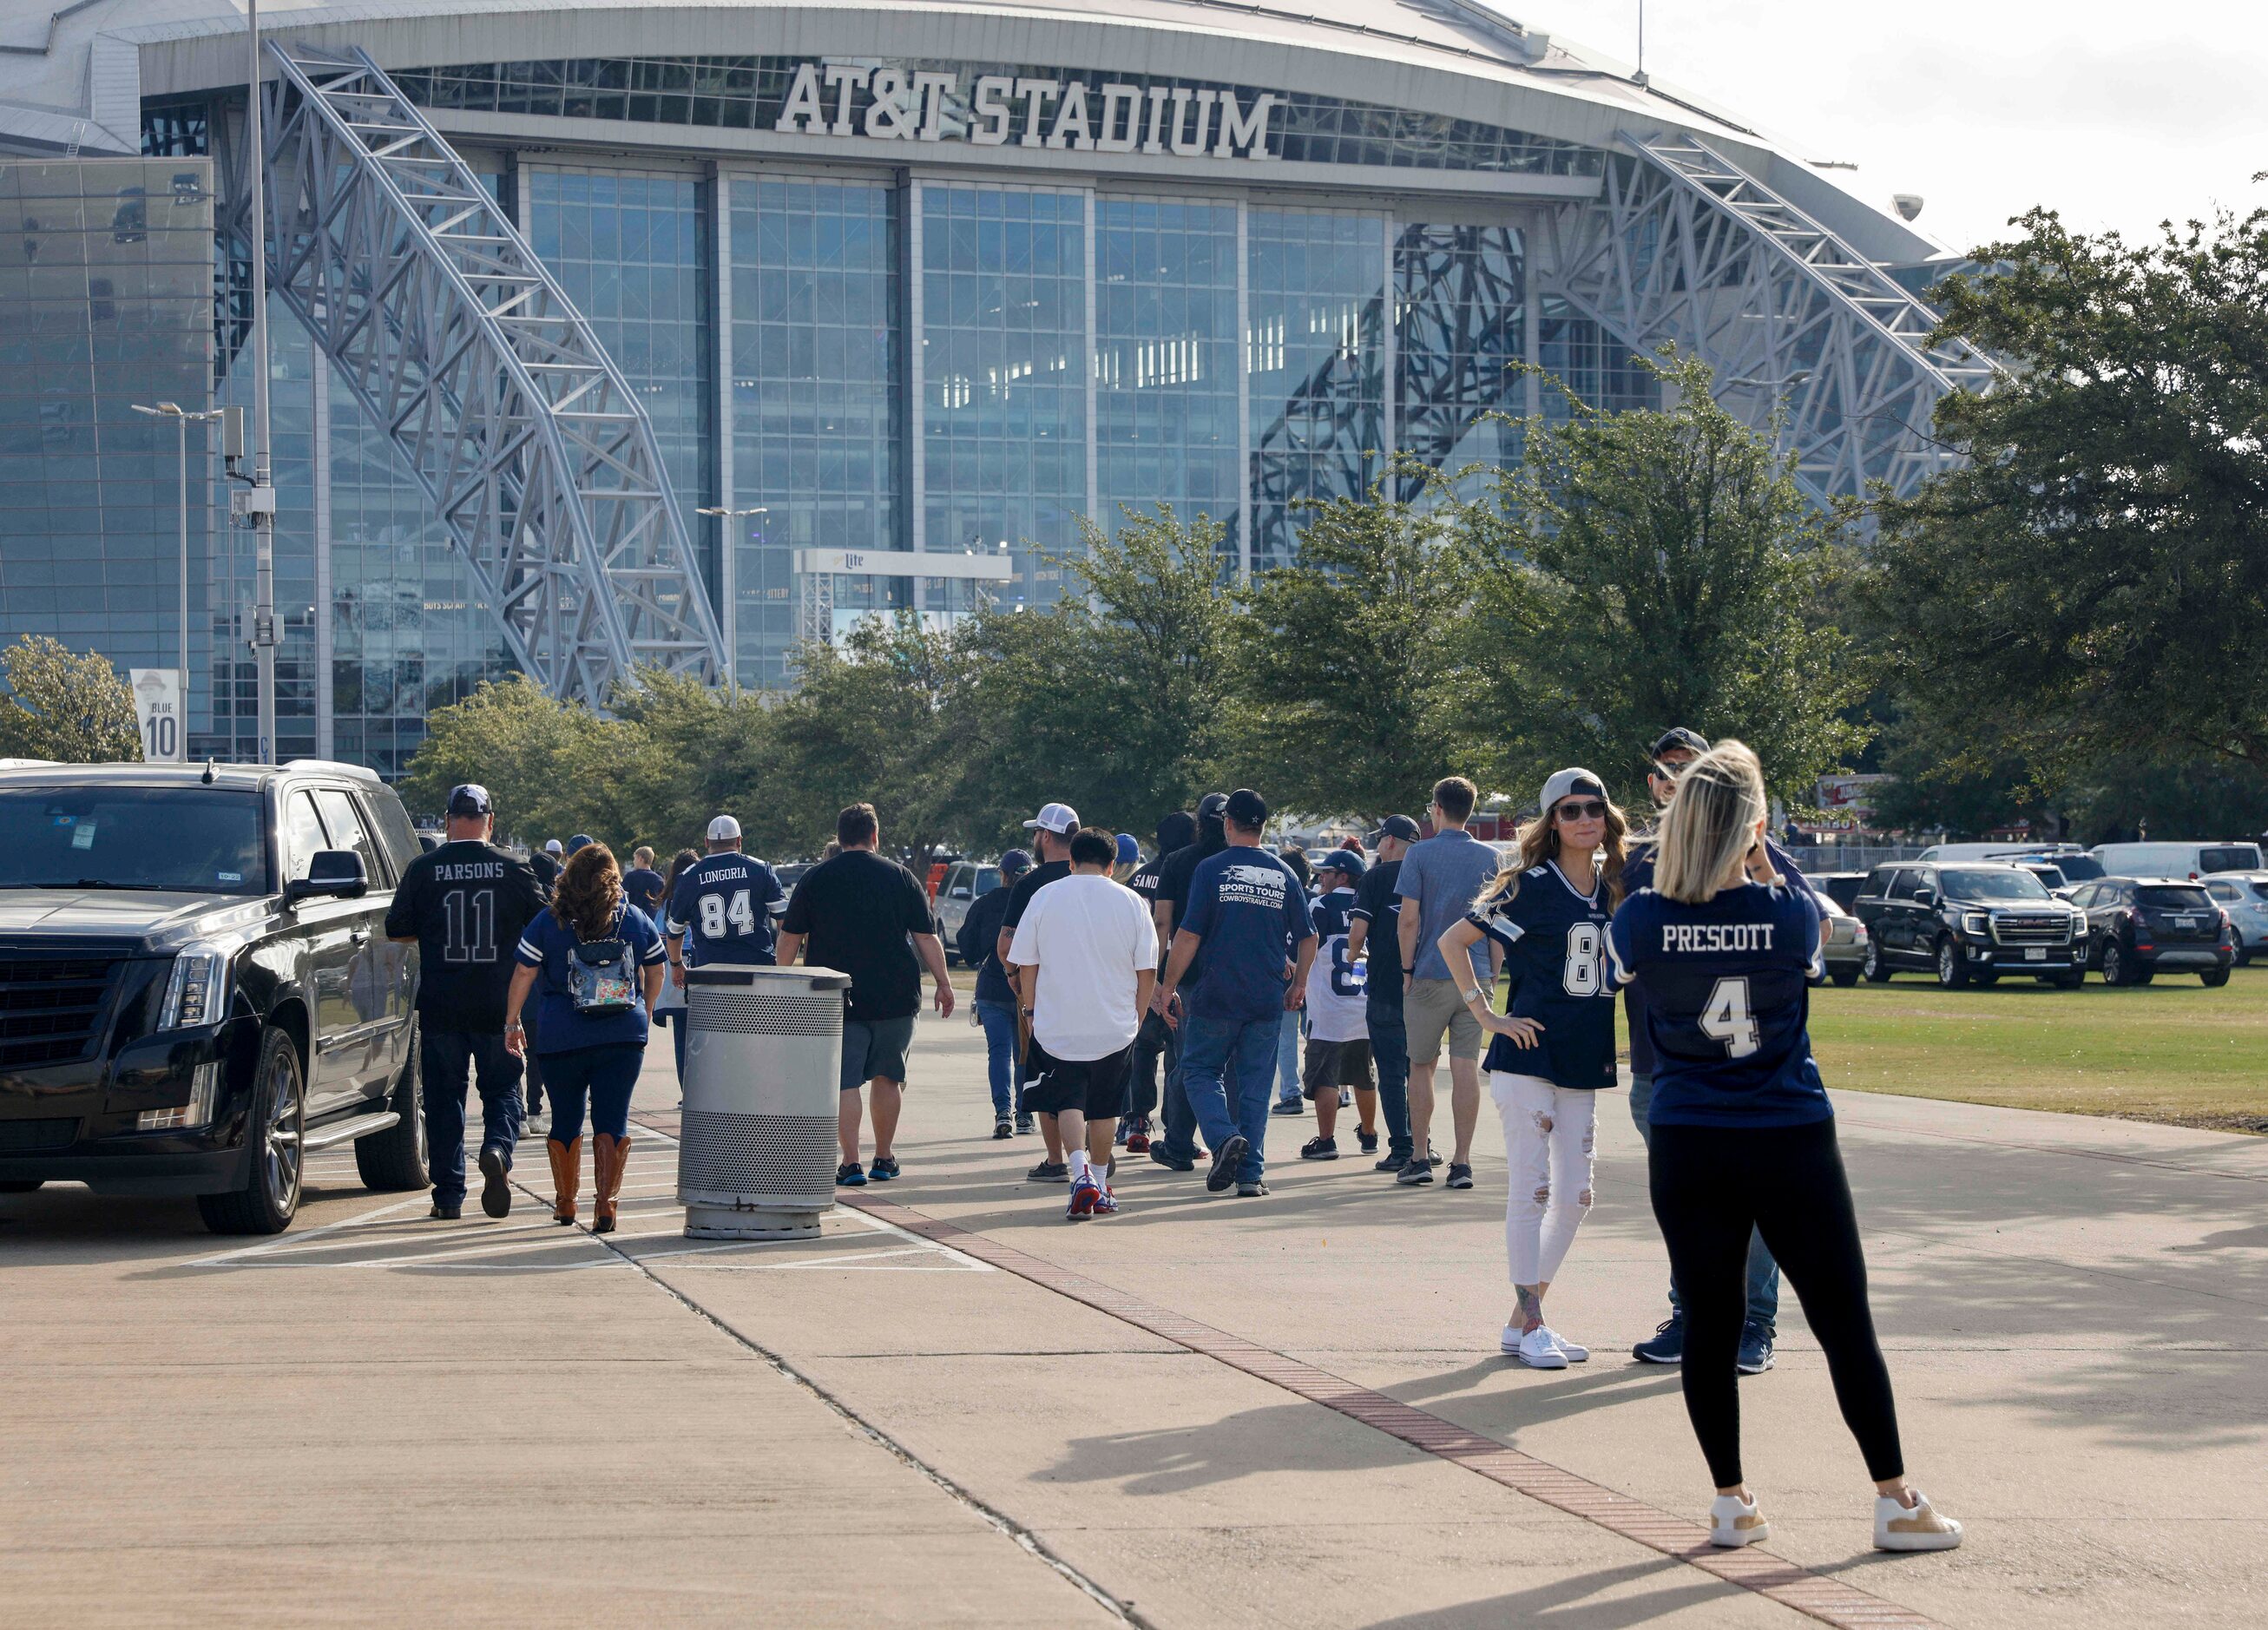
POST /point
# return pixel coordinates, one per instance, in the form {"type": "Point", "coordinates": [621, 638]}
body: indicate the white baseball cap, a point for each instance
{"type": "Point", "coordinates": [555, 847]}
{"type": "Point", "coordinates": [721, 827]}
{"type": "Point", "coordinates": [1056, 818]}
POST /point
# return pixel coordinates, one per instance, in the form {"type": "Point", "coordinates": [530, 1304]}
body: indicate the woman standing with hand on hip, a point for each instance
{"type": "Point", "coordinates": [1553, 1049]}
{"type": "Point", "coordinates": [1743, 1136]}
{"type": "Point", "coordinates": [596, 962]}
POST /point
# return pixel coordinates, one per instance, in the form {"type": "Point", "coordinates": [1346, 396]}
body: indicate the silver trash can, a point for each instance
{"type": "Point", "coordinates": [764, 1057]}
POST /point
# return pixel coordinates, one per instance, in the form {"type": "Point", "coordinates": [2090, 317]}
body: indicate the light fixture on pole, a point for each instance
{"type": "Point", "coordinates": [183, 418]}
{"type": "Point", "coordinates": [728, 588]}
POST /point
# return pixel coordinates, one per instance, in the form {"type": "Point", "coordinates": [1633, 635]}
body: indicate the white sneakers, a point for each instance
{"type": "Point", "coordinates": [1537, 1349]}
{"type": "Point", "coordinates": [1576, 1352]}
{"type": "Point", "coordinates": [1734, 1522]}
{"type": "Point", "coordinates": [1918, 1527]}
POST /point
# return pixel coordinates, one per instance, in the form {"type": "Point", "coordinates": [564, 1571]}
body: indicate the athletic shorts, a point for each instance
{"type": "Point", "coordinates": [1331, 1065]}
{"type": "Point", "coordinates": [1096, 1087]}
{"type": "Point", "coordinates": [875, 1047]}
{"type": "Point", "coordinates": [1433, 1007]}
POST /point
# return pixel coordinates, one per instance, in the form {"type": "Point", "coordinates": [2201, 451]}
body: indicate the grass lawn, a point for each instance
{"type": "Point", "coordinates": [2170, 1051]}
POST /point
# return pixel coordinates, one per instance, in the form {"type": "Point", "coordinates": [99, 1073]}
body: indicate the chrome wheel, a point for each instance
{"type": "Point", "coordinates": [282, 1153]}
{"type": "Point", "coordinates": [2114, 964]}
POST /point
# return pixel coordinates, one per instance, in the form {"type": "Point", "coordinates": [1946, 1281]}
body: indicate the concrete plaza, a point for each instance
{"type": "Point", "coordinates": [954, 1408]}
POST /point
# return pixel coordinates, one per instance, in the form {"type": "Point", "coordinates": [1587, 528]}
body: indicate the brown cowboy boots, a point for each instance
{"type": "Point", "coordinates": [566, 1176]}
{"type": "Point", "coordinates": [609, 1155]}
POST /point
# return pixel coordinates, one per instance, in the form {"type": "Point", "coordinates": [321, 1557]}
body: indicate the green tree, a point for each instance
{"type": "Point", "coordinates": [1344, 661]}
{"type": "Point", "coordinates": [706, 751]}
{"type": "Point", "coordinates": [1116, 698]}
{"type": "Point", "coordinates": [2093, 582]}
{"type": "Point", "coordinates": [866, 724]}
{"type": "Point", "coordinates": [553, 767]}
{"type": "Point", "coordinates": [73, 709]}
{"type": "Point", "coordinates": [1647, 569]}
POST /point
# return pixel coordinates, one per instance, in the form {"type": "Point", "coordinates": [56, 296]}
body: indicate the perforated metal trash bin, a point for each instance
{"type": "Point", "coordinates": [764, 1057]}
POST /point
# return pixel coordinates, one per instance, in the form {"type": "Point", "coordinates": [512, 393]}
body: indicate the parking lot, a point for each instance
{"type": "Point", "coordinates": [953, 1409]}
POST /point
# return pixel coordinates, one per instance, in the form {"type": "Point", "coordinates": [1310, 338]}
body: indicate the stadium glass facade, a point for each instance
{"type": "Point", "coordinates": [880, 357]}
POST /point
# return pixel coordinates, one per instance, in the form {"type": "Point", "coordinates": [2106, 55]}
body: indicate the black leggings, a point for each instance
{"type": "Point", "coordinates": [1711, 1184]}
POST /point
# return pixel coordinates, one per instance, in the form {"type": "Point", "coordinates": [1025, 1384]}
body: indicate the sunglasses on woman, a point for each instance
{"type": "Point", "coordinates": [1589, 810]}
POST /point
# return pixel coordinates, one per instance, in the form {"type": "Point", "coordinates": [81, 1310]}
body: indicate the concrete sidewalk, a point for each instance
{"type": "Point", "coordinates": [375, 1419]}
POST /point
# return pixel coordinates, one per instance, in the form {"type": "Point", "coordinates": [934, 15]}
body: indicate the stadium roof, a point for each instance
{"type": "Point", "coordinates": [71, 81]}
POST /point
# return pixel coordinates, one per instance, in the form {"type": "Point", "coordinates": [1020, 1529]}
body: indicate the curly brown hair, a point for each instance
{"type": "Point", "coordinates": [589, 892]}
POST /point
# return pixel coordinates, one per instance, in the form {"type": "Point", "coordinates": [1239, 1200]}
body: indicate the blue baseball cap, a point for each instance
{"type": "Point", "coordinates": [1130, 852]}
{"type": "Point", "coordinates": [1015, 863]}
{"type": "Point", "coordinates": [581, 840]}
{"type": "Point", "coordinates": [1345, 861]}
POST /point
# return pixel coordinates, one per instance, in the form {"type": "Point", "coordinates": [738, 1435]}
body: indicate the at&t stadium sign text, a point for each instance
{"type": "Point", "coordinates": [918, 105]}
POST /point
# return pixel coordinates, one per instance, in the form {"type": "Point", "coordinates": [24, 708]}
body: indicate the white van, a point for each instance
{"type": "Point", "coordinates": [2189, 861]}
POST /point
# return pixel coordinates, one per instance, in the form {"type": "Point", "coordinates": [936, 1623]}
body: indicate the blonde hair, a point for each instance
{"type": "Point", "coordinates": [1711, 825]}
{"type": "Point", "coordinates": [1539, 841]}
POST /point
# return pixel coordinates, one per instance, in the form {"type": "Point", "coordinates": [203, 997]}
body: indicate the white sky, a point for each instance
{"type": "Point", "coordinates": [2117, 116]}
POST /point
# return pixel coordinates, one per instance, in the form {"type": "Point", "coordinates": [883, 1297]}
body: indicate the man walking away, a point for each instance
{"type": "Point", "coordinates": [725, 907]}
{"type": "Point", "coordinates": [866, 916]}
{"type": "Point", "coordinates": [1087, 952]}
{"type": "Point", "coordinates": [1289, 1100]}
{"type": "Point", "coordinates": [996, 998]}
{"type": "Point", "coordinates": [1338, 1034]}
{"type": "Point", "coordinates": [1374, 939]}
{"type": "Point", "coordinates": [1177, 1150]}
{"type": "Point", "coordinates": [1050, 829]}
{"type": "Point", "coordinates": [547, 862]}
{"type": "Point", "coordinates": [1154, 1045]}
{"type": "Point", "coordinates": [1677, 747]}
{"type": "Point", "coordinates": [1440, 880]}
{"type": "Point", "coordinates": [1244, 907]}
{"type": "Point", "coordinates": [642, 885]}
{"type": "Point", "coordinates": [465, 906]}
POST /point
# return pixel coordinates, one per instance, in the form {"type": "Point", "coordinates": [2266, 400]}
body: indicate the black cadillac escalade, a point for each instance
{"type": "Point", "coordinates": [196, 991]}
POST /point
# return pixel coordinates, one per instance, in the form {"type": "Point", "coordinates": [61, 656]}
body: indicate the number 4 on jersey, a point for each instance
{"type": "Point", "coordinates": [1727, 1019]}
{"type": "Point", "coordinates": [722, 918]}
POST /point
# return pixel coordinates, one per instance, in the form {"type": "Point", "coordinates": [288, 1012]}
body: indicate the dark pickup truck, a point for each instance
{"type": "Point", "coordinates": [196, 991]}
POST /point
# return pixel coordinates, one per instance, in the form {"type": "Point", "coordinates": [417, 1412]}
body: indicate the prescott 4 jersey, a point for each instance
{"type": "Point", "coordinates": [724, 905]}
{"type": "Point", "coordinates": [1728, 1003]}
{"type": "Point", "coordinates": [1555, 939]}
{"type": "Point", "coordinates": [1336, 988]}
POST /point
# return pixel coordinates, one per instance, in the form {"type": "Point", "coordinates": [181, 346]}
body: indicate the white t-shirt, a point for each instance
{"type": "Point", "coordinates": [1090, 937]}
{"type": "Point", "coordinates": [1337, 999]}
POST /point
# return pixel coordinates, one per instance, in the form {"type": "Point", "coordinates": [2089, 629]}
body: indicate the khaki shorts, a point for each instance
{"type": "Point", "coordinates": [1431, 1007]}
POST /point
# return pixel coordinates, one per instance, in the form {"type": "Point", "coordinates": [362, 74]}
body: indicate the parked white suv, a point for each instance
{"type": "Point", "coordinates": [956, 892]}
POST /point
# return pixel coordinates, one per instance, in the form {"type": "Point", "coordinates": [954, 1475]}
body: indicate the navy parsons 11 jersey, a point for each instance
{"type": "Point", "coordinates": [725, 905]}
{"type": "Point", "coordinates": [1554, 943]}
{"type": "Point", "coordinates": [1727, 1004]}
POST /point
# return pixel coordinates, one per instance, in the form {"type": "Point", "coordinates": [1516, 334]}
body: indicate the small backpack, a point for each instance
{"type": "Point", "coordinates": [602, 976]}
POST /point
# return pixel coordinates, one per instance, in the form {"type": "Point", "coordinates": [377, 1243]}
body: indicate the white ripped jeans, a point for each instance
{"type": "Point", "coordinates": [1548, 1134]}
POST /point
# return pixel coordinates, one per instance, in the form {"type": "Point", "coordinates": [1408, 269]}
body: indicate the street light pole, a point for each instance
{"type": "Point", "coordinates": [260, 501]}
{"type": "Point", "coordinates": [183, 418]}
{"type": "Point", "coordinates": [728, 588]}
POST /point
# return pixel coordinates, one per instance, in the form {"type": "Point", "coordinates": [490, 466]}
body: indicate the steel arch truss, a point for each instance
{"type": "Point", "coordinates": [464, 348]}
{"type": "Point", "coordinates": [1684, 246]}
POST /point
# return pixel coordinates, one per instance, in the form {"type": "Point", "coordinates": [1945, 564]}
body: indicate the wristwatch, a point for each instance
{"type": "Point", "coordinates": [1472, 993]}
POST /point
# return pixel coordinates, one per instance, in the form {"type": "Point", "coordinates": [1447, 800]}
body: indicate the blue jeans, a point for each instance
{"type": "Point", "coordinates": [1389, 1051]}
{"type": "Point", "coordinates": [1242, 1051]}
{"type": "Point", "coordinates": [1180, 1138]}
{"type": "Point", "coordinates": [1764, 1273]}
{"type": "Point", "coordinates": [605, 1076]}
{"type": "Point", "coordinates": [1287, 1060]}
{"type": "Point", "coordinates": [999, 1021]}
{"type": "Point", "coordinates": [446, 1060]}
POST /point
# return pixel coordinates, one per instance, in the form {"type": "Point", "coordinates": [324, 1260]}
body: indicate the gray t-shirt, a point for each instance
{"type": "Point", "coordinates": [1442, 875]}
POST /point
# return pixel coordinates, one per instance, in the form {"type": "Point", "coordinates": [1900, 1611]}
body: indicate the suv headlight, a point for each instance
{"type": "Point", "coordinates": [1977, 923]}
{"type": "Point", "coordinates": [198, 989]}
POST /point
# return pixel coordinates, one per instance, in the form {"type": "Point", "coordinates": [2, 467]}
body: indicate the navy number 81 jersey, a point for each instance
{"type": "Point", "coordinates": [1727, 1004]}
{"type": "Point", "coordinates": [1554, 940]}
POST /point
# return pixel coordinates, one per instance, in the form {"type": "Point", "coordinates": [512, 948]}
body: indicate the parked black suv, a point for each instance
{"type": "Point", "coordinates": [1968, 923]}
{"type": "Point", "coordinates": [2138, 927]}
{"type": "Point", "coordinates": [196, 991]}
